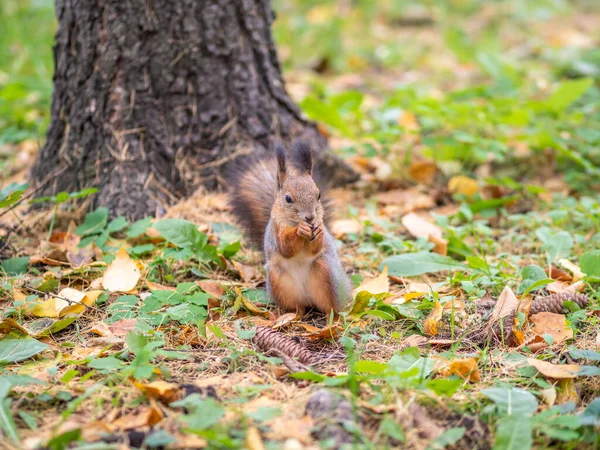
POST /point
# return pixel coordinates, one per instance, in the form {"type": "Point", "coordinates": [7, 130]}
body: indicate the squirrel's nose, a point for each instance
{"type": "Point", "coordinates": [309, 217]}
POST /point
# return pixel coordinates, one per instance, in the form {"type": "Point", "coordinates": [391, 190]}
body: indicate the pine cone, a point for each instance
{"type": "Point", "coordinates": [554, 303]}
{"type": "Point", "coordinates": [267, 339]}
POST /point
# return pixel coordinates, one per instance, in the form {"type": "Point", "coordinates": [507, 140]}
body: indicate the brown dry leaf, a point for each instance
{"type": "Point", "coordinates": [430, 326]}
{"type": "Point", "coordinates": [558, 274]}
{"type": "Point", "coordinates": [122, 326]}
{"type": "Point", "coordinates": [332, 332]}
{"type": "Point", "coordinates": [101, 329]}
{"type": "Point", "coordinates": [552, 324]}
{"type": "Point", "coordinates": [211, 287]}
{"type": "Point", "coordinates": [556, 371]}
{"type": "Point", "coordinates": [423, 171]}
{"type": "Point", "coordinates": [18, 295]}
{"type": "Point", "coordinates": [573, 268]}
{"type": "Point", "coordinates": [9, 324]}
{"type": "Point", "coordinates": [536, 343]}
{"type": "Point", "coordinates": [407, 199]}
{"type": "Point", "coordinates": [414, 340]}
{"type": "Point", "coordinates": [460, 184]}
{"type": "Point", "coordinates": [88, 300]}
{"type": "Point", "coordinates": [309, 328]}
{"type": "Point", "coordinates": [246, 271]}
{"type": "Point", "coordinates": [340, 228]}
{"type": "Point", "coordinates": [160, 390]}
{"type": "Point", "coordinates": [122, 274]}
{"type": "Point", "coordinates": [144, 417]}
{"type": "Point", "coordinates": [506, 305]}
{"type": "Point", "coordinates": [284, 320]}
{"type": "Point", "coordinates": [253, 439]}
{"type": "Point", "coordinates": [465, 368]}
{"type": "Point", "coordinates": [286, 428]}
{"type": "Point", "coordinates": [454, 304]}
{"type": "Point", "coordinates": [440, 245]}
{"type": "Point", "coordinates": [557, 286]}
{"type": "Point", "coordinates": [378, 285]}
{"type": "Point", "coordinates": [158, 287]}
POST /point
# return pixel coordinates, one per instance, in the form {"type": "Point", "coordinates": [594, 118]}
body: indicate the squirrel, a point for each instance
{"type": "Point", "coordinates": [281, 206]}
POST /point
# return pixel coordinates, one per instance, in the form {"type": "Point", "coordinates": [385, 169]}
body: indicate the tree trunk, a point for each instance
{"type": "Point", "coordinates": [153, 98]}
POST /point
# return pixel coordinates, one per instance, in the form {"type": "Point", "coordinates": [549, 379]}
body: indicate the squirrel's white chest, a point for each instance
{"type": "Point", "coordinates": [297, 270]}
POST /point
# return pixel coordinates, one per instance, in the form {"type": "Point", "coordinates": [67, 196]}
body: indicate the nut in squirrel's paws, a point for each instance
{"type": "Point", "coordinates": [305, 230]}
{"type": "Point", "coordinates": [317, 231]}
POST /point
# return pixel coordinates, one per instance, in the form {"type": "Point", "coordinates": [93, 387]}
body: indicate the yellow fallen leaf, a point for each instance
{"type": "Point", "coordinates": [460, 184]}
{"type": "Point", "coordinates": [253, 439]}
{"type": "Point", "coordinates": [253, 308]}
{"type": "Point", "coordinates": [556, 371]}
{"type": "Point", "coordinates": [160, 390]}
{"type": "Point", "coordinates": [423, 171]}
{"type": "Point", "coordinates": [408, 121]}
{"type": "Point", "coordinates": [466, 368]}
{"type": "Point", "coordinates": [378, 285]}
{"type": "Point", "coordinates": [89, 299]}
{"type": "Point", "coordinates": [53, 306]}
{"type": "Point", "coordinates": [421, 228]}
{"type": "Point", "coordinates": [430, 326]}
{"type": "Point", "coordinates": [122, 275]}
{"type": "Point", "coordinates": [567, 392]}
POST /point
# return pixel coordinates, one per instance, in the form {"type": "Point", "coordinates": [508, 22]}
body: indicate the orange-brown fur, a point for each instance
{"type": "Point", "coordinates": [303, 268]}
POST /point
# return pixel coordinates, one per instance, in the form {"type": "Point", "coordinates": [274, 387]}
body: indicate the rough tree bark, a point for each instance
{"type": "Point", "coordinates": [153, 98]}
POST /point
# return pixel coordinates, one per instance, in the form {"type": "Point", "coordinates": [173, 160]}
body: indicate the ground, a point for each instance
{"type": "Point", "coordinates": [471, 239]}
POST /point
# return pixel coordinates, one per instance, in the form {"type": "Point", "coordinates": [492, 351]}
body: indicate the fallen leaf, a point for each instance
{"type": "Point", "coordinates": [558, 274]}
{"type": "Point", "coordinates": [454, 304]}
{"type": "Point", "coordinates": [506, 305]}
{"type": "Point", "coordinates": [430, 326]}
{"type": "Point", "coordinates": [567, 392]}
{"type": "Point", "coordinates": [552, 324]}
{"type": "Point", "coordinates": [253, 308]}
{"type": "Point", "coordinates": [406, 199]}
{"type": "Point", "coordinates": [160, 390]}
{"type": "Point", "coordinates": [419, 227]}
{"type": "Point", "coordinates": [549, 395]}
{"type": "Point", "coordinates": [556, 371]}
{"type": "Point", "coordinates": [460, 184]}
{"type": "Point", "coordinates": [340, 228]}
{"type": "Point", "coordinates": [89, 299]}
{"type": "Point", "coordinates": [9, 324]}
{"type": "Point", "coordinates": [247, 272]}
{"type": "Point", "coordinates": [414, 340]}
{"type": "Point", "coordinates": [144, 417]}
{"type": "Point", "coordinates": [291, 428]}
{"type": "Point", "coordinates": [573, 268]}
{"type": "Point", "coordinates": [211, 287]}
{"type": "Point", "coordinates": [122, 326]}
{"type": "Point", "coordinates": [158, 287]}
{"type": "Point", "coordinates": [253, 439]}
{"type": "Point", "coordinates": [332, 332]}
{"type": "Point", "coordinates": [466, 368]}
{"type": "Point", "coordinates": [284, 320]}
{"type": "Point", "coordinates": [122, 274]}
{"type": "Point", "coordinates": [408, 121]}
{"type": "Point", "coordinates": [378, 285]}
{"type": "Point", "coordinates": [423, 171]}
{"type": "Point", "coordinates": [53, 306]}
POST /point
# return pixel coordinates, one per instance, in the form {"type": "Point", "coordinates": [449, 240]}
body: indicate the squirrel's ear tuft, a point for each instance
{"type": "Point", "coordinates": [281, 164]}
{"type": "Point", "coordinates": [302, 157]}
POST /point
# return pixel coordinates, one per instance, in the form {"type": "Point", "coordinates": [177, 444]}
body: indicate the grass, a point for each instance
{"type": "Point", "coordinates": [481, 117]}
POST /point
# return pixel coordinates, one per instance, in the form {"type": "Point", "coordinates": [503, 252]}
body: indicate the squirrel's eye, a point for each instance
{"type": "Point", "coordinates": [319, 197]}
{"type": "Point", "coordinates": [288, 199]}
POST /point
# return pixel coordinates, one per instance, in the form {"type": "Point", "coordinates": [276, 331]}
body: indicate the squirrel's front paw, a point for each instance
{"type": "Point", "coordinates": [317, 232]}
{"type": "Point", "coordinates": [305, 230]}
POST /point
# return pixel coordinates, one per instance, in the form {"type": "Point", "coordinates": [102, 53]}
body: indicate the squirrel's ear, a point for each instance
{"type": "Point", "coordinates": [302, 157]}
{"type": "Point", "coordinates": [281, 165]}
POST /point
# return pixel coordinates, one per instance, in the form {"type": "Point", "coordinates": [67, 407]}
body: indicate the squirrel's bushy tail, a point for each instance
{"type": "Point", "coordinates": [251, 199]}
{"type": "Point", "coordinates": [254, 181]}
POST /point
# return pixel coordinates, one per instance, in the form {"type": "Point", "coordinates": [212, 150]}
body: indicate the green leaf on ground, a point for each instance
{"type": "Point", "coordinates": [413, 264]}
{"type": "Point", "coordinates": [13, 350]}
